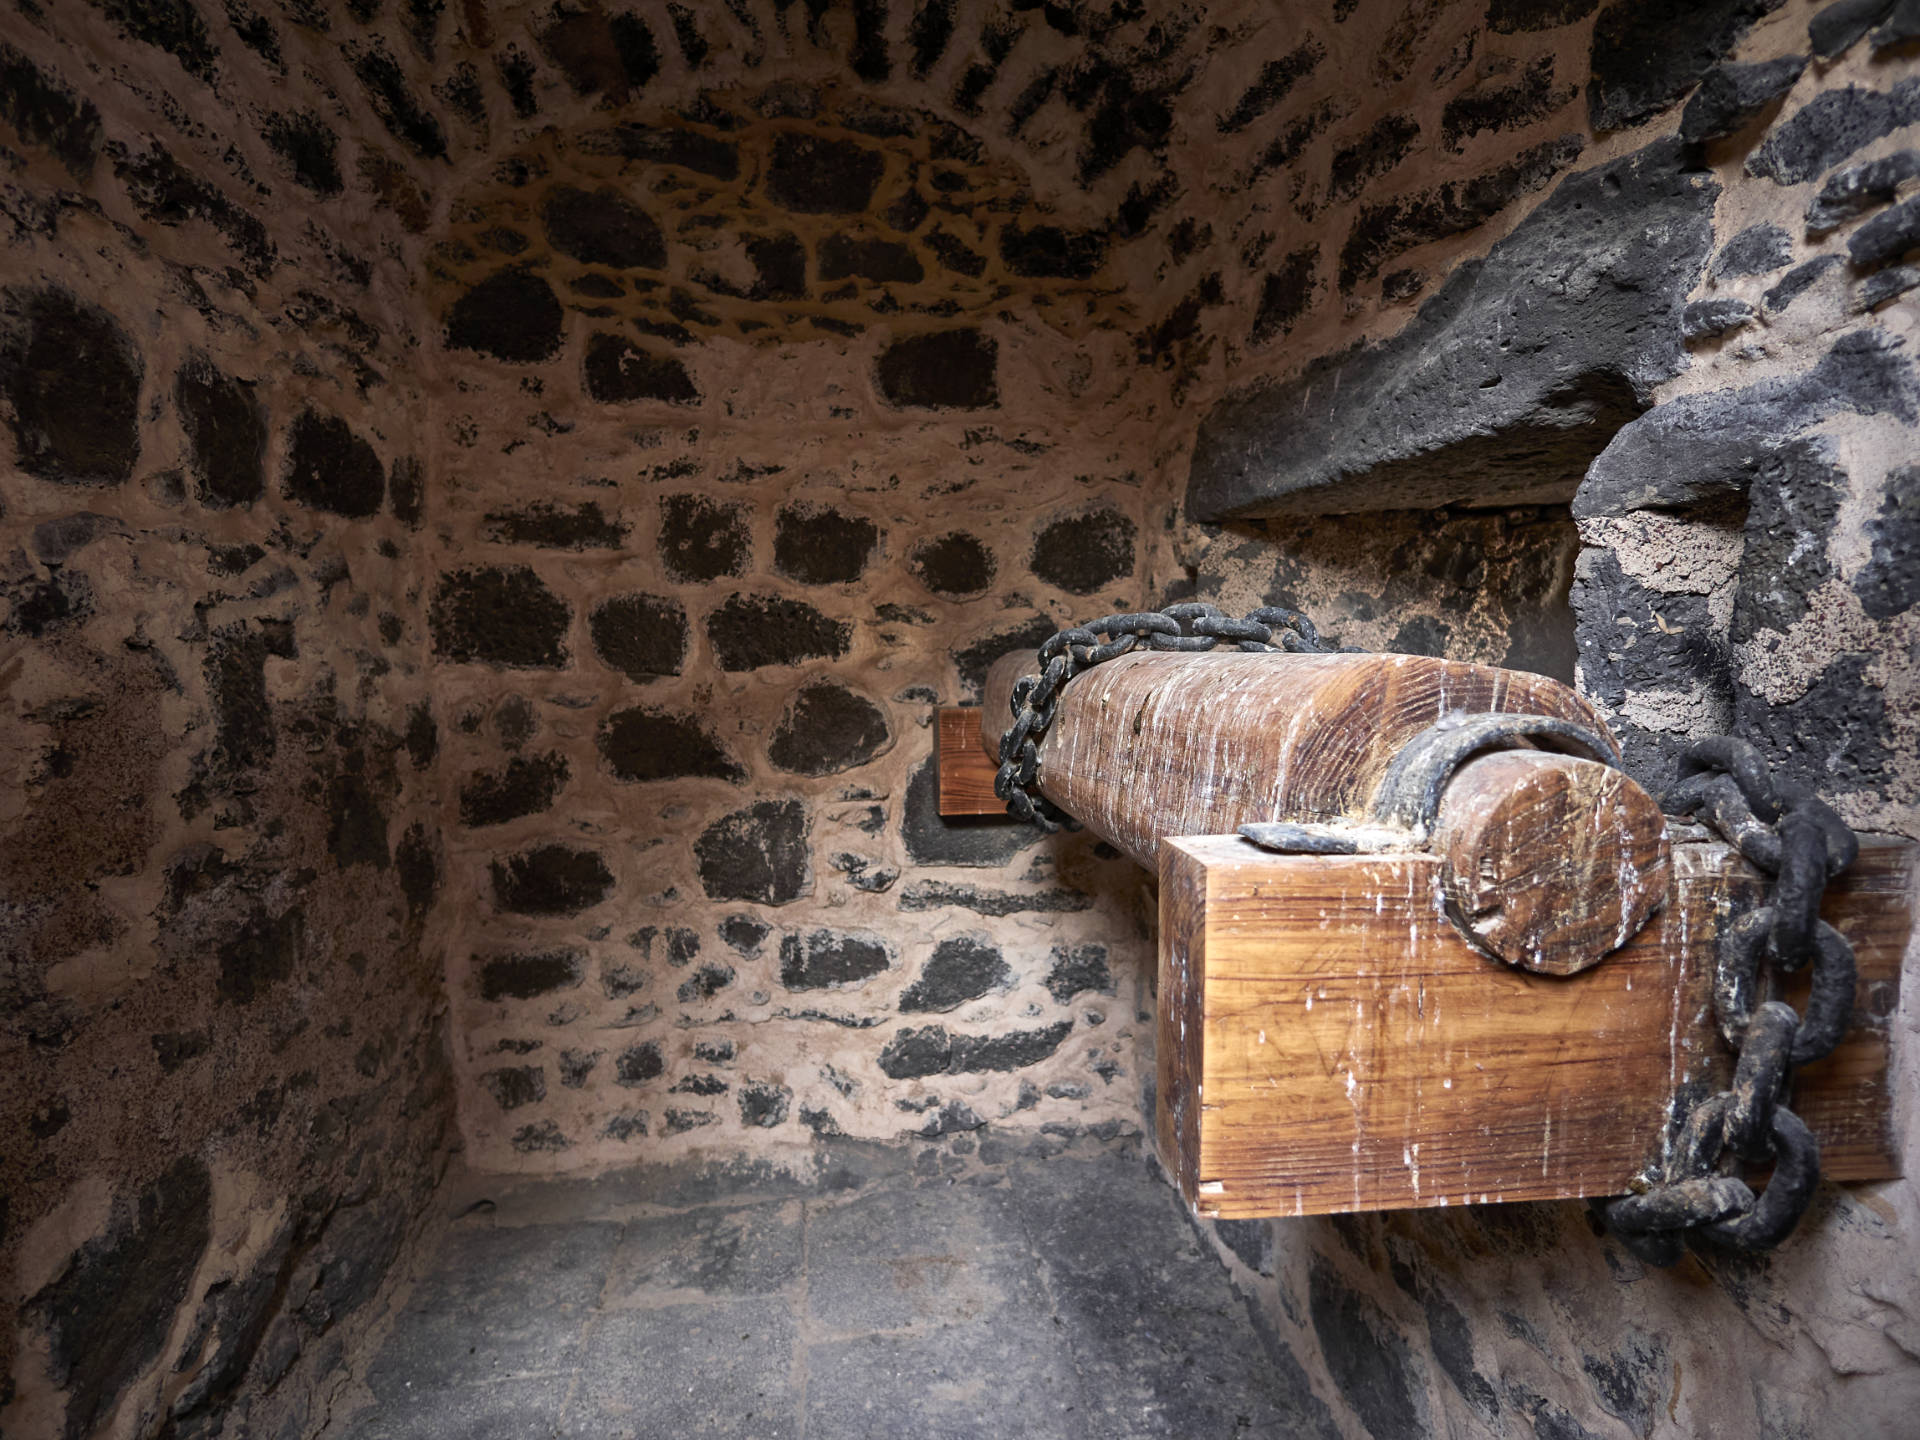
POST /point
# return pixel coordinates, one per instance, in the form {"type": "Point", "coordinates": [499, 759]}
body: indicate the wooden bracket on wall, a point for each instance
{"type": "Point", "coordinates": [1328, 1042]}
{"type": "Point", "coordinates": [961, 764]}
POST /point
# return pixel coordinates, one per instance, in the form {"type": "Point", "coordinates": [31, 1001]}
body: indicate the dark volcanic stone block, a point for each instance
{"type": "Point", "coordinates": [974, 660]}
{"type": "Point", "coordinates": [779, 266]}
{"type": "Point", "coordinates": [814, 175]}
{"type": "Point", "coordinates": [1836, 27]}
{"type": "Point", "coordinates": [330, 468]}
{"type": "Point", "coordinates": [1649, 53]}
{"type": "Point", "coordinates": [529, 974]}
{"type": "Point", "coordinates": [512, 1086]}
{"type": "Point", "coordinates": [818, 545]}
{"type": "Point", "coordinates": [1790, 513]}
{"type": "Point", "coordinates": [1879, 288]}
{"type": "Point", "coordinates": [1272, 85]}
{"type": "Point", "coordinates": [416, 863]}
{"type": "Point", "coordinates": [556, 527]}
{"type": "Point", "coordinates": [831, 958]}
{"type": "Point", "coordinates": [758, 854]}
{"type": "Point", "coordinates": [1756, 250]}
{"type": "Point", "coordinates": [226, 434]}
{"type": "Point", "coordinates": [641, 636]}
{"type": "Point", "coordinates": [398, 107]}
{"type": "Point", "coordinates": [641, 744]}
{"type": "Point", "coordinates": [1287, 293]}
{"type": "Point", "coordinates": [356, 825]}
{"type": "Point", "coordinates": [1513, 17]}
{"type": "Point", "coordinates": [1797, 281]}
{"type": "Point", "coordinates": [702, 539]}
{"type": "Point", "coordinates": [1367, 1356]}
{"type": "Point", "coordinates": [1830, 127]}
{"type": "Point", "coordinates": [526, 787]}
{"type": "Point", "coordinates": [1890, 580]}
{"type": "Point", "coordinates": [959, 970]}
{"type": "Point", "coordinates": [638, 1064]}
{"type": "Point", "coordinates": [1014, 1050]}
{"type": "Point", "coordinates": [544, 1137]}
{"type": "Point", "coordinates": [1886, 237]}
{"type": "Point", "coordinates": [751, 631]}
{"type": "Point", "coordinates": [619, 371]}
{"type": "Point", "coordinates": [668, 145]}
{"type": "Point", "coordinates": [1705, 318]}
{"type": "Point", "coordinates": [912, 1054]}
{"type": "Point", "coordinates": [703, 984]}
{"type": "Point", "coordinates": [602, 227]}
{"type": "Point", "coordinates": [827, 728]}
{"type": "Point", "coordinates": [260, 954]}
{"type": "Point", "coordinates": [955, 565]}
{"type": "Point", "coordinates": [551, 880]}
{"type": "Point", "coordinates": [1047, 252]}
{"type": "Point", "coordinates": [956, 254]}
{"type": "Point", "coordinates": [46, 113]}
{"type": "Point", "coordinates": [1731, 95]}
{"type": "Point", "coordinates": [512, 315]}
{"type": "Point", "coordinates": [743, 934]}
{"type": "Point", "coordinates": [503, 616]}
{"type": "Point", "coordinates": [946, 370]}
{"type": "Point", "coordinates": [1506, 381]}
{"type": "Point", "coordinates": [236, 671]}
{"type": "Point", "coordinates": [1084, 553]}
{"type": "Point", "coordinates": [884, 262]}
{"type": "Point", "coordinates": [1384, 146]}
{"type": "Point", "coordinates": [1860, 188]}
{"type": "Point", "coordinates": [1077, 968]}
{"type": "Point", "coordinates": [1902, 27]}
{"type": "Point", "coordinates": [1699, 447]}
{"type": "Point", "coordinates": [764, 1105]}
{"type": "Point", "coordinates": [110, 1310]}
{"type": "Point", "coordinates": [933, 839]}
{"type": "Point", "coordinates": [71, 379]}
{"type": "Point", "coordinates": [304, 141]}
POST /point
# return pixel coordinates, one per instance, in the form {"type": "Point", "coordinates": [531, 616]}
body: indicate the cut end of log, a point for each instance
{"type": "Point", "coordinates": [1552, 862]}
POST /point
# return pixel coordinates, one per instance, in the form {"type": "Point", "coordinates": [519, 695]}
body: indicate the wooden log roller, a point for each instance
{"type": "Point", "coordinates": [1550, 859]}
{"type": "Point", "coordinates": [1404, 1003]}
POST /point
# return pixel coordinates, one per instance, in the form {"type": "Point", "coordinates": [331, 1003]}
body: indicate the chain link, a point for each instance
{"type": "Point", "coordinates": [1194, 626]}
{"type": "Point", "coordinates": [1794, 837]}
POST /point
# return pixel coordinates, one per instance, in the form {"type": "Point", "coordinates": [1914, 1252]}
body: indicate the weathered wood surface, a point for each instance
{"type": "Point", "coordinates": [1551, 861]}
{"type": "Point", "coordinates": [1328, 1042]}
{"type": "Point", "coordinates": [1161, 744]}
{"type": "Point", "coordinates": [965, 774]}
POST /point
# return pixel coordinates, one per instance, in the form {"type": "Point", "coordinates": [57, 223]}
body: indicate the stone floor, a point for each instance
{"type": "Point", "coordinates": [1040, 1290]}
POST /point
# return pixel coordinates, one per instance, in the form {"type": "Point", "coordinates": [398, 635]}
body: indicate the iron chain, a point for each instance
{"type": "Point", "coordinates": [1794, 837]}
{"type": "Point", "coordinates": [1194, 626]}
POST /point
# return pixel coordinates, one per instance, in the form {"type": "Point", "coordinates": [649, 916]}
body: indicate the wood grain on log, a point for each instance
{"type": "Point", "coordinates": [1328, 1042]}
{"type": "Point", "coordinates": [1161, 744]}
{"type": "Point", "coordinates": [1551, 861]}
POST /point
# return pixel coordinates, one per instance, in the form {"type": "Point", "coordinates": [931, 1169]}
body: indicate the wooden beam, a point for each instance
{"type": "Point", "coordinates": [965, 774]}
{"type": "Point", "coordinates": [1328, 1042]}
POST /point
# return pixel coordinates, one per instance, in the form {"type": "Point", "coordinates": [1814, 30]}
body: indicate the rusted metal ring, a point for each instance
{"type": "Point", "coordinates": [1409, 793]}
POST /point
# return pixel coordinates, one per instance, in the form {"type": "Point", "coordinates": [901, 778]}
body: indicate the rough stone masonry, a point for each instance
{"type": "Point", "coordinates": [494, 493]}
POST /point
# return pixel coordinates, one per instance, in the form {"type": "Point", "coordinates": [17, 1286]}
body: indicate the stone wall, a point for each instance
{"type": "Point", "coordinates": [222, 1018]}
{"type": "Point", "coordinates": [831, 417]}
{"type": "Point", "coordinates": [497, 491]}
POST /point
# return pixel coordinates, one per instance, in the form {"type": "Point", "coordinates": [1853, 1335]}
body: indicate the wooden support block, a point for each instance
{"type": "Point", "coordinates": [1328, 1042]}
{"type": "Point", "coordinates": [965, 773]}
